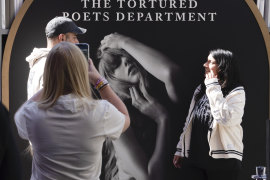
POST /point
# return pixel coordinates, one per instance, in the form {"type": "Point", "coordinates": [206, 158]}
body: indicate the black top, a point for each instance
{"type": "Point", "coordinates": [199, 147]}
{"type": "Point", "coordinates": [9, 156]}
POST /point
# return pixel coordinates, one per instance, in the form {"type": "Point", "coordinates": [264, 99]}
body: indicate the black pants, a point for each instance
{"type": "Point", "coordinates": [212, 169]}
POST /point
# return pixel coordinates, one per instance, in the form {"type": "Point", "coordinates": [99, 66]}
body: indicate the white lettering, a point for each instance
{"type": "Point", "coordinates": [191, 17]}
{"type": "Point", "coordinates": [193, 4]}
{"type": "Point", "coordinates": [140, 15]}
{"type": "Point", "coordinates": [181, 17]}
{"type": "Point", "coordinates": [107, 4]}
{"type": "Point", "coordinates": [201, 16]}
{"type": "Point", "coordinates": [131, 16]}
{"type": "Point", "coordinates": [152, 3]}
{"type": "Point", "coordinates": [84, 3]}
{"type": "Point", "coordinates": [65, 14]}
{"type": "Point", "coordinates": [142, 4]}
{"type": "Point", "coordinates": [106, 16]}
{"type": "Point", "coordinates": [182, 4]}
{"type": "Point", "coordinates": [76, 14]}
{"type": "Point", "coordinates": [120, 16]}
{"type": "Point", "coordinates": [159, 17]}
{"type": "Point", "coordinates": [86, 16]}
{"type": "Point", "coordinates": [121, 3]}
{"type": "Point", "coordinates": [148, 17]}
{"type": "Point", "coordinates": [212, 16]}
{"type": "Point", "coordinates": [132, 4]}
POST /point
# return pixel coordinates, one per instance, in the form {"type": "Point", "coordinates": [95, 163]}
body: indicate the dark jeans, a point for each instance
{"type": "Point", "coordinates": [212, 169]}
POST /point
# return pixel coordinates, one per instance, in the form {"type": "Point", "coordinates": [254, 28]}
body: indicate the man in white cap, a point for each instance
{"type": "Point", "coordinates": [58, 29]}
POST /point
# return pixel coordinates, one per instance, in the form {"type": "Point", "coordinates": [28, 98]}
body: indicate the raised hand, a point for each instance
{"type": "Point", "coordinates": [210, 75]}
{"type": "Point", "coordinates": [148, 105]}
{"type": "Point", "coordinates": [93, 74]}
{"type": "Point", "coordinates": [113, 40]}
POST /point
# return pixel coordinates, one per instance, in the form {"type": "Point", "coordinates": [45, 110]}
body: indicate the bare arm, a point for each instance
{"type": "Point", "coordinates": [153, 61]}
{"type": "Point", "coordinates": [153, 109]}
{"type": "Point", "coordinates": [108, 94]}
{"type": "Point", "coordinates": [156, 165]}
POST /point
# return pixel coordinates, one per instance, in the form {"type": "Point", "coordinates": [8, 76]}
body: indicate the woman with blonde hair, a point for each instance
{"type": "Point", "coordinates": [64, 124]}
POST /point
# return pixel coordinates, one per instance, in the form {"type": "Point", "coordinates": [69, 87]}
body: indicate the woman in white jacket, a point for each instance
{"type": "Point", "coordinates": [210, 146]}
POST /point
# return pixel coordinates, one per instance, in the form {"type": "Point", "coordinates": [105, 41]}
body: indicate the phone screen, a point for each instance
{"type": "Point", "coordinates": [85, 49]}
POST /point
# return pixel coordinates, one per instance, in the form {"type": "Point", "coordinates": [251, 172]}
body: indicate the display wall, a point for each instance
{"type": "Point", "coordinates": [185, 39]}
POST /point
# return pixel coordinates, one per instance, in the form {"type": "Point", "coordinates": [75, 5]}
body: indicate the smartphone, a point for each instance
{"type": "Point", "coordinates": [85, 49]}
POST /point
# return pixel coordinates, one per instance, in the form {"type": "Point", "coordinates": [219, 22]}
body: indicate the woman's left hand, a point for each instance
{"type": "Point", "coordinates": [148, 105]}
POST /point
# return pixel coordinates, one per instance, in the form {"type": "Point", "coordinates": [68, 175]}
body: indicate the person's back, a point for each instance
{"type": "Point", "coordinates": [65, 125]}
{"type": "Point", "coordinates": [67, 138]}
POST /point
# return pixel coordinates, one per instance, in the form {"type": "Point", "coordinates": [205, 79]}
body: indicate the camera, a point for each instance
{"type": "Point", "coordinates": [84, 48]}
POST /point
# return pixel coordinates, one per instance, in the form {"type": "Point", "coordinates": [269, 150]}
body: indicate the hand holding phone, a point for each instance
{"type": "Point", "coordinates": [85, 49]}
{"type": "Point", "coordinates": [93, 73]}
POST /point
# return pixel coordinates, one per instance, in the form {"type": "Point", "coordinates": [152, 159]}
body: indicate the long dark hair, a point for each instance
{"type": "Point", "coordinates": [228, 73]}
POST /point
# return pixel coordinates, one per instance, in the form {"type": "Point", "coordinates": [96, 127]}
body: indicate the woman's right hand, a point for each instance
{"type": "Point", "coordinates": [148, 105]}
{"type": "Point", "coordinates": [177, 161]}
{"type": "Point", "coordinates": [211, 74]}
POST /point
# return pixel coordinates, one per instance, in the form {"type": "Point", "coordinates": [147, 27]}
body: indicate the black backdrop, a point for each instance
{"type": "Point", "coordinates": [186, 43]}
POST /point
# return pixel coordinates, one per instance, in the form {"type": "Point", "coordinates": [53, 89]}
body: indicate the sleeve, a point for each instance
{"type": "Point", "coordinates": [178, 149]}
{"type": "Point", "coordinates": [192, 104]}
{"type": "Point", "coordinates": [228, 110]}
{"type": "Point", "coordinates": [114, 121]}
{"type": "Point", "coordinates": [20, 122]}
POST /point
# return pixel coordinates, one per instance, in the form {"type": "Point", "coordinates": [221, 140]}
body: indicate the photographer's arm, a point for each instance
{"type": "Point", "coordinates": [108, 94]}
